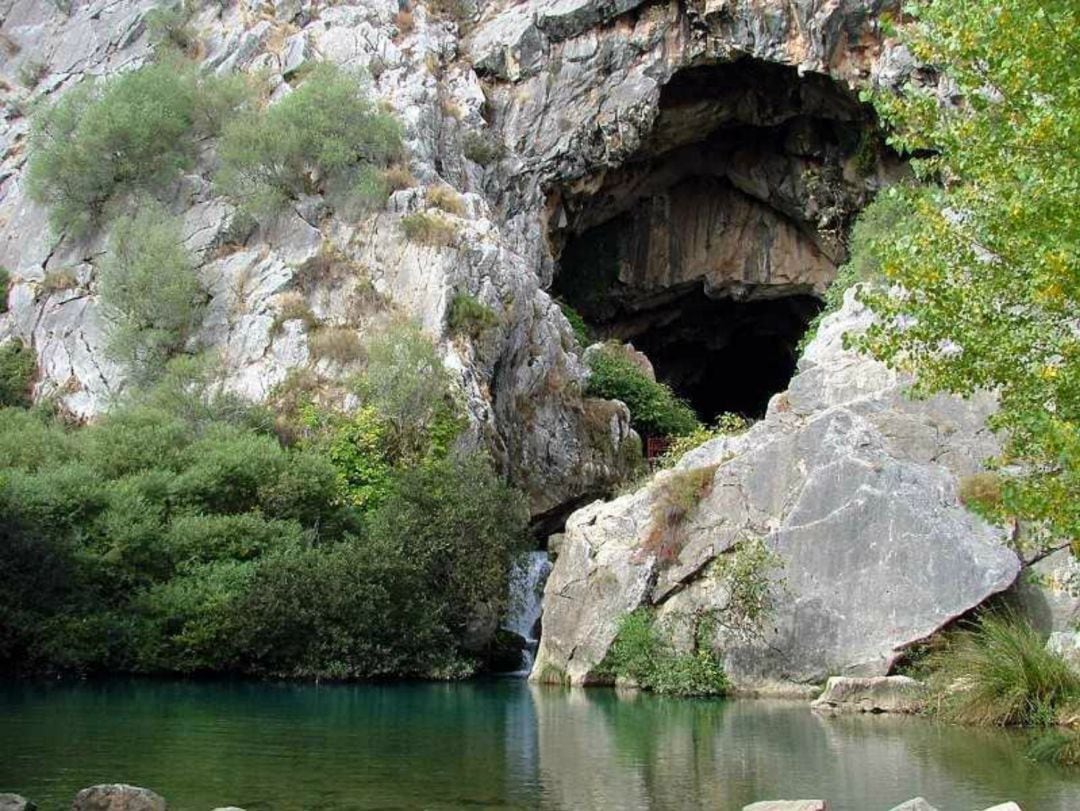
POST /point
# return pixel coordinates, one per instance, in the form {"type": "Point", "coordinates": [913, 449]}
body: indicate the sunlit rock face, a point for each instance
{"type": "Point", "coordinates": [853, 489]}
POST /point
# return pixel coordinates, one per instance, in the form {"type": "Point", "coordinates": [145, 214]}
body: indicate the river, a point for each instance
{"type": "Point", "coordinates": [491, 744]}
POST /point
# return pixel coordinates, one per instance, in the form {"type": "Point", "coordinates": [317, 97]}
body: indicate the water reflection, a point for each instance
{"type": "Point", "coordinates": [491, 745]}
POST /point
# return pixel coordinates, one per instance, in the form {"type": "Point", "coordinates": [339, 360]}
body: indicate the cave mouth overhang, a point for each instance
{"type": "Point", "coordinates": [710, 248]}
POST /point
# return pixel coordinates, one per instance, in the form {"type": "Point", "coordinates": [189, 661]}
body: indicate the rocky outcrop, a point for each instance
{"type": "Point", "coordinates": [118, 797]}
{"type": "Point", "coordinates": [875, 694]}
{"type": "Point", "coordinates": [852, 488]}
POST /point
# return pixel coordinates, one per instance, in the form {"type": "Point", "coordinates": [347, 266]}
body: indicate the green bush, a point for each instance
{"type": "Point", "coordinates": [461, 526]}
{"type": "Point", "coordinates": [481, 148]}
{"type": "Point", "coordinates": [18, 364]}
{"type": "Point", "coordinates": [643, 653]}
{"type": "Point", "coordinates": [998, 672]}
{"type": "Point", "coordinates": [169, 27]}
{"type": "Point", "coordinates": [408, 385]}
{"type": "Point", "coordinates": [726, 424]}
{"type": "Point", "coordinates": [5, 286]}
{"type": "Point", "coordinates": [654, 407]}
{"type": "Point", "coordinates": [325, 136]}
{"type": "Point", "coordinates": [468, 316]}
{"type": "Point", "coordinates": [105, 140]}
{"type": "Point", "coordinates": [581, 329]}
{"type": "Point", "coordinates": [149, 291]}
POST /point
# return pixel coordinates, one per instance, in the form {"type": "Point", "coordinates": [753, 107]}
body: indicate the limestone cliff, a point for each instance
{"type": "Point", "coordinates": [588, 111]}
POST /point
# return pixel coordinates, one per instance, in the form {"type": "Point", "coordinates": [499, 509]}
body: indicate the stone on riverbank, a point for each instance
{"type": "Point", "coordinates": [916, 804]}
{"type": "Point", "coordinates": [118, 797]}
{"type": "Point", "coordinates": [14, 802]}
{"type": "Point", "coordinates": [1066, 644]}
{"type": "Point", "coordinates": [787, 805]}
{"type": "Point", "coordinates": [895, 694]}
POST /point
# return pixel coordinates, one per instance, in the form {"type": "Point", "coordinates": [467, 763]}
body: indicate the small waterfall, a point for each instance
{"type": "Point", "coordinates": [530, 572]}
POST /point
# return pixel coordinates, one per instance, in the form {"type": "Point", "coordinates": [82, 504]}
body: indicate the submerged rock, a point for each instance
{"type": "Point", "coordinates": [847, 482]}
{"type": "Point", "coordinates": [898, 694]}
{"type": "Point", "coordinates": [916, 804]}
{"type": "Point", "coordinates": [787, 805]}
{"type": "Point", "coordinates": [15, 802]}
{"type": "Point", "coordinates": [118, 797]}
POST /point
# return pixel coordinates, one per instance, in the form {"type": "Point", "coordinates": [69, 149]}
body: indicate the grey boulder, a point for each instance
{"type": "Point", "coordinates": [787, 805]}
{"type": "Point", "coordinates": [916, 804]}
{"type": "Point", "coordinates": [118, 797]}
{"type": "Point", "coordinates": [876, 694]}
{"type": "Point", "coordinates": [15, 802]}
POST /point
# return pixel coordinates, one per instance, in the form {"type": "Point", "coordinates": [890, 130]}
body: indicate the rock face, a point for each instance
{"type": "Point", "coordinates": [564, 92]}
{"type": "Point", "coordinates": [118, 797]}
{"type": "Point", "coordinates": [853, 489]}
{"type": "Point", "coordinates": [875, 694]}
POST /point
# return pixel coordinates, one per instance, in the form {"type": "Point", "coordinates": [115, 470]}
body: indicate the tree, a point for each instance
{"type": "Point", "coordinates": [149, 290]}
{"type": "Point", "coordinates": [985, 272]}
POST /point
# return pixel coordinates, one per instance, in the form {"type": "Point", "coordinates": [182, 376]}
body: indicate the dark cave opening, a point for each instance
{"type": "Point", "coordinates": [710, 248]}
{"type": "Point", "coordinates": [726, 356]}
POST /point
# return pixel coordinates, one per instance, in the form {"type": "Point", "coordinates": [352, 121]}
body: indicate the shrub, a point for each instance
{"type": "Point", "coordinates": [998, 672]}
{"type": "Point", "coordinates": [447, 199]}
{"type": "Point", "coordinates": [149, 291]}
{"type": "Point", "coordinates": [337, 344]}
{"type": "Point", "coordinates": [481, 148]}
{"type": "Point", "coordinates": [643, 653]}
{"type": "Point", "coordinates": [409, 386]}
{"type": "Point", "coordinates": [654, 408]}
{"type": "Point", "coordinates": [32, 72]}
{"type": "Point", "coordinates": [169, 27]}
{"type": "Point", "coordinates": [325, 136]}
{"type": "Point", "coordinates": [104, 140]}
{"type": "Point", "coordinates": [5, 288]}
{"type": "Point", "coordinates": [581, 329]}
{"type": "Point", "coordinates": [18, 364]}
{"type": "Point", "coordinates": [675, 496]}
{"type": "Point", "coordinates": [468, 316]}
{"type": "Point", "coordinates": [429, 229]}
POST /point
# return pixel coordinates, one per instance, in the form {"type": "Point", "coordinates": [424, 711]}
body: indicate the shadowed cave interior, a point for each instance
{"type": "Point", "coordinates": [709, 249]}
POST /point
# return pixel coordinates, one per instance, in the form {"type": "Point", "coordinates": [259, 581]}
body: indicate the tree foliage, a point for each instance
{"type": "Point", "coordinates": [654, 407]}
{"type": "Point", "coordinates": [149, 291]}
{"type": "Point", "coordinates": [986, 271]}
{"type": "Point", "coordinates": [104, 140]}
{"type": "Point", "coordinates": [327, 135]}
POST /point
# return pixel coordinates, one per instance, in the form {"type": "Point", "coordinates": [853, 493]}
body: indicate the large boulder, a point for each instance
{"type": "Point", "coordinates": [1049, 591]}
{"type": "Point", "coordinates": [899, 694]}
{"type": "Point", "coordinates": [852, 489]}
{"type": "Point", "coordinates": [118, 797]}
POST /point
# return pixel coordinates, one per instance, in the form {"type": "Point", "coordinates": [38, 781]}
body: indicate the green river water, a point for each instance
{"type": "Point", "coordinates": [491, 744]}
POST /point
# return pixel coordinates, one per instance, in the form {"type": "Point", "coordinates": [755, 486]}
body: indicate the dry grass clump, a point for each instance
{"type": "Point", "coordinates": [675, 496]}
{"type": "Point", "coordinates": [398, 177]}
{"type": "Point", "coordinates": [404, 21]}
{"type": "Point", "coordinates": [292, 306]}
{"type": "Point", "coordinates": [432, 230]}
{"type": "Point", "coordinates": [447, 199]}
{"type": "Point", "coordinates": [58, 280]}
{"type": "Point", "coordinates": [981, 492]}
{"type": "Point", "coordinates": [340, 345]}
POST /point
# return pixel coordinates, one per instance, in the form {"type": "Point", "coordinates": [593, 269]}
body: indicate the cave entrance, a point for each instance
{"type": "Point", "coordinates": [710, 248]}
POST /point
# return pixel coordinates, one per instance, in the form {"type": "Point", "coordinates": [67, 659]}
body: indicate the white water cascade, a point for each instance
{"type": "Point", "coordinates": [528, 578]}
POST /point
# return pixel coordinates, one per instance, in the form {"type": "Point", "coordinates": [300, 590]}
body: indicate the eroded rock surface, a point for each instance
{"type": "Point", "coordinates": [874, 694]}
{"type": "Point", "coordinates": [850, 484]}
{"type": "Point", "coordinates": [118, 797]}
